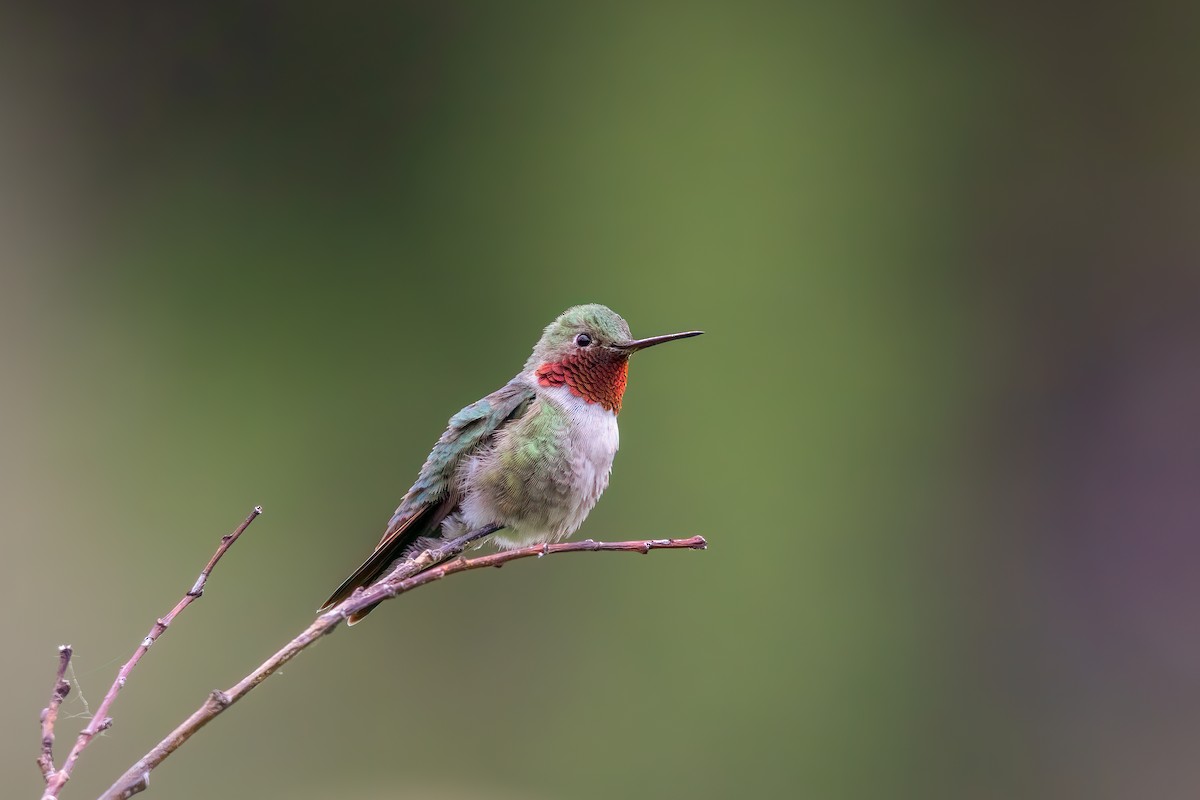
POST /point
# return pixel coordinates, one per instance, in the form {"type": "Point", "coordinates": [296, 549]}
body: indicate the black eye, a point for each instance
{"type": "Point", "coordinates": [583, 340]}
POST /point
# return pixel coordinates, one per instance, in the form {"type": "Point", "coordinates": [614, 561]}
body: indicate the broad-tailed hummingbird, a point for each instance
{"type": "Point", "coordinates": [532, 457]}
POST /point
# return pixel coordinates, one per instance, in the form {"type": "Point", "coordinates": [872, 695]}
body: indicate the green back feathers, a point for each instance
{"type": "Point", "coordinates": [468, 429]}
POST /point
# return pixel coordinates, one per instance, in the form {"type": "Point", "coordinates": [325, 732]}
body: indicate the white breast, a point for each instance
{"type": "Point", "coordinates": [595, 439]}
{"type": "Point", "coordinates": [595, 435]}
{"type": "Point", "coordinates": [594, 442]}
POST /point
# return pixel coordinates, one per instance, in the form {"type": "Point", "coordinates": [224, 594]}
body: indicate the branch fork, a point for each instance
{"type": "Point", "coordinates": [411, 573]}
{"type": "Point", "coordinates": [100, 722]}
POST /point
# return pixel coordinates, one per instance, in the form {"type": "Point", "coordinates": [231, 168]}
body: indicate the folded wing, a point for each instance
{"type": "Point", "coordinates": [433, 497]}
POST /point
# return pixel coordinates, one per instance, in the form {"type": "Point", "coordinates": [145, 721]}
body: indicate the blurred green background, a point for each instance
{"type": "Point", "coordinates": [940, 435]}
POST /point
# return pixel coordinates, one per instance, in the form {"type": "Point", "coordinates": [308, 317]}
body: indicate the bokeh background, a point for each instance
{"type": "Point", "coordinates": [941, 433]}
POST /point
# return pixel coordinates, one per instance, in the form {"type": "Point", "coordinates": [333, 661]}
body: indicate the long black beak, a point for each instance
{"type": "Point", "coordinates": [642, 344]}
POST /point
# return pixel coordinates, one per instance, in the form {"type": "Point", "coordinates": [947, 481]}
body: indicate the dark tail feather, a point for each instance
{"type": "Point", "coordinates": [371, 570]}
{"type": "Point", "coordinates": [391, 548]}
{"type": "Point", "coordinates": [347, 588]}
{"type": "Point", "coordinates": [356, 617]}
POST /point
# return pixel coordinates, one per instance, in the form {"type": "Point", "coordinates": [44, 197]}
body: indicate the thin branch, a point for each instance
{"type": "Point", "coordinates": [427, 567]}
{"type": "Point", "coordinates": [198, 587]}
{"type": "Point", "coordinates": [397, 587]}
{"type": "Point", "coordinates": [100, 721]}
{"type": "Point", "coordinates": [62, 688]}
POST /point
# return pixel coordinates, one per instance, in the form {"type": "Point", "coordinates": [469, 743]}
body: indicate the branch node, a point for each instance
{"type": "Point", "coordinates": [49, 715]}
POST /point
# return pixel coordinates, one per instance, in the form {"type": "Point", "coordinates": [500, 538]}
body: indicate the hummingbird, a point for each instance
{"type": "Point", "coordinates": [532, 457]}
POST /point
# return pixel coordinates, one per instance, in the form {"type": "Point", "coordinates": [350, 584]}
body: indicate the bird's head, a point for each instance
{"type": "Point", "coordinates": [587, 350]}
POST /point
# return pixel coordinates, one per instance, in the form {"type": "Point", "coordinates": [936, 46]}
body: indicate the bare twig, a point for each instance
{"type": "Point", "coordinates": [428, 566]}
{"type": "Point", "coordinates": [62, 688]}
{"type": "Point", "coordinates": [100, 721]}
